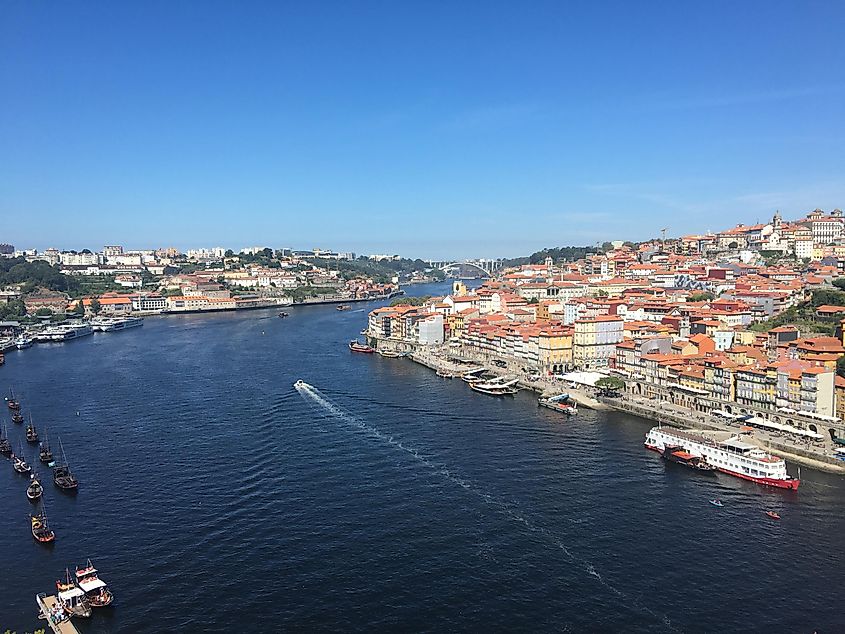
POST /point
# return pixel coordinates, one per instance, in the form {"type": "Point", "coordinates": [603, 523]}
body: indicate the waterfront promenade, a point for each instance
{"type": "Point", "coordinates": [813, 454]}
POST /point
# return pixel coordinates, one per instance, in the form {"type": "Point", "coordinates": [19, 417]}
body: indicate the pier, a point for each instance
{"type": "Point", "coordinates": [47, 604]}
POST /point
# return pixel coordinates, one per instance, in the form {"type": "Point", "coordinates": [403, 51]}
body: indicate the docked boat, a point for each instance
{"type": "Point", "coordinates": [113, 324]}
{"type": "Point", "coordinates": [734, 456]}
{"type": "Point", "coordinates": [342, 307]}
{"type": "Point", "coordinates": [390, 354]}
{"type": "Point", "coordinates": [11, 402]}
{"type": "Point", "coordinates": [562, 403]}
{"type": "Point", "coordinates": [773, 515]}
{"type": "Point", "coordinates": [31, 432]}
{"type": "Point", "coordinates": [473, 375]}
{"type": "Point", "coordinates": [34, 490]}
{"type": "Point", "coordinates": [681, 456]}
{"type": "Point", "coordinates": [96, 590]}
{"type": "Point", "coordinates": [45, 454]}
{"type": "Point", "coordinates": [22, 342]}
{"type": "Point", "coordinates": [445, 374]}
{"type": "Point", "coordinates": [72, 598]}
{"type": "Point", "coordinates": [496, 387]}
{"type": "Point", "coordinates": [5, 444]}
{"type": "Point", "coordinates": [41, 531]}
{"type": "Point", "coordinates": [69, 332]}
{"type": "Point", "coordinates": [62, 475]}
{"type": "Point", "coordinates": [357, 346]}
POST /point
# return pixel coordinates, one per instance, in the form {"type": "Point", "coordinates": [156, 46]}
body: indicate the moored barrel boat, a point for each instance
{"type": "Point", "coordinates": [41, 531]}
{"type": "Point", "coordinates": [96, 590]}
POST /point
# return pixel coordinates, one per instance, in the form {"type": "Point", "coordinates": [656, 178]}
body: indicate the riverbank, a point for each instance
{"type": "Point", "coordinates": [819, 456]}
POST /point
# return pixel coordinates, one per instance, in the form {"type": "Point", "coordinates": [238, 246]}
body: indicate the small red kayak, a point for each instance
{"type": "Point", "coordinates": [773, 515]}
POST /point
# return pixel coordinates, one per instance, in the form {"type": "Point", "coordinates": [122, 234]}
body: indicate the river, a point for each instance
{"type": "Point", "coordinates": [215, 497]}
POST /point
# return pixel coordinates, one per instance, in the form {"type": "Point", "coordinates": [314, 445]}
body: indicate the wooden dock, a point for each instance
{"type": "Point", "coordinates": [48, 603]}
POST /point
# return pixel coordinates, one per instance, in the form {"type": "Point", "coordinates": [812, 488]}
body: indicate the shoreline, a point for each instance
{"type": "Point", "coordinates": [656, 412]}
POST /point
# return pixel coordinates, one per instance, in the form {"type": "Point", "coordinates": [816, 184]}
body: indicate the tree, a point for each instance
{"type": "Point", "coordinates": [840, 366]}
{"type": "Point", "coordinates": [43, 312]}
{"type": "Point", "coordinates": [229, 253]}
{"type": "Point", "coordinates": [95, 306]}
{"type": "Point", "coordinates": [79, 309]}
{"type": "Point", "coordinates": [703, 296]}
{"type": "Point", "coordinates": [839, 283]}
{"type": "Point", "coordinates": [610, 384]}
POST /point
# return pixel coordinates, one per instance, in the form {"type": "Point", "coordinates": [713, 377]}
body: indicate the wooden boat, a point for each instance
{"type": "Point", "coordinates": [5, 445]}
{"type": "Point", "coordinates": [34, 490]}
{"type": "Point", "coordinates": [62, 475]}
{"type": "Point", "coordinates": [773, 515]}
{"type": "Point", "coordinates": [20, 464]}
{"type": "Point", "coordinates": [357, 346]}
{"type": "Point", "coordinates": [41, 531]}
{"type": "Point", "coordinates": [96, 590]}
{"type": "Point", "coordinates": [11, 402]}
{"type": "Point", "coordinates": [72, 598]}
{"type": "Point", "coordinates": [390, 354]}
{"type": "Point", "coordinates": [31, 432]}
{"type": "Point", "coordinates": [45, 454]}
{"type": "Point", "coordinates": [496, 387]}
{"type": "Point", "coordinates": [17, 417]}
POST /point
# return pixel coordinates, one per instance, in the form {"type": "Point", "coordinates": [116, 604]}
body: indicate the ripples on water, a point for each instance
{"type": "Point", "coordinates": [380, 497]}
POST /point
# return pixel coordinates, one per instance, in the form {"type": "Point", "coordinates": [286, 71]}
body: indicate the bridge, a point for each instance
{"type": "Point", "coordinates": [485, 266]}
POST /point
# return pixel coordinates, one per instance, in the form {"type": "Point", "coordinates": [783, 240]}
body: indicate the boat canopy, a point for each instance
{"type": "Point", "coordinates": [69, 595]}
{"type": "Point", "coordinates": [92, 584]}
{"type": "Point", "coordinates": [762, 422]}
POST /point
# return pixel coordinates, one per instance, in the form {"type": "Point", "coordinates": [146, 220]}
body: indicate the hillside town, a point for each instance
{"type": "Point", "coordinates": [748, 321]}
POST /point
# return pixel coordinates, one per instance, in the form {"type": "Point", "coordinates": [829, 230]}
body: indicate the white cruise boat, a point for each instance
{"type": "Point", "coordinates": [68, 332]}
{"type": "Point", "coordinates": [113, 324]}
{"type": "Point", "coordinates": [734, 456]}
{"type": "Point", "coordinates": [23, 342]}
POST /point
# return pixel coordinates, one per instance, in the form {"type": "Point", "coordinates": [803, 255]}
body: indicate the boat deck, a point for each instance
{"type": "Point", "coordinates": [48, 603]}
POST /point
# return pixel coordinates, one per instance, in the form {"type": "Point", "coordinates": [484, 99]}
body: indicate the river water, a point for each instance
{"type": "Point", "coordinates": [215, 497]}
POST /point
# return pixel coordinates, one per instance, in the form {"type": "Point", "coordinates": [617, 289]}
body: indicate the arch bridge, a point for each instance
{"type": "Point", "coordinates": [485, 266]}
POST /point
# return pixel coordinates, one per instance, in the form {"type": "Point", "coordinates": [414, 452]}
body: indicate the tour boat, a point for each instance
{"type": "Point", "coordinates": [680, 456]}
{"type": "Point", "coordinates": [21, 343]}
{"type": "Point", "coordinates": [96, 590]}
{"type": "Point", "coordinates": [72, 598]}
{"type": "Point", "coordinates": [41, 530]}
{"type": "Point", "coordinates": [284, 314]}
{"type": "Point", "coordinates": [62, 476]}
{"type": "Point", "coordinates": [11, 402]}
{"type": "Point", "coordinates": [34, 490]}
{"type": "Point", "coordinates": [357, 346]}
{"type": "Point", "coordinates": [773, 515]}
{"type": "Point", "coordinates": [733, 456]}
{"type": "Point", "coordinates": [496, 387]}
{"type": "Point", "coordinates": [31, 432]}
{"type": "Point", "coordinates": [390, 354]}
{"type": "Point", "coordinates": [17, 417]}
{"type": "Point", "coordinates": [343, 307]}
{"type": "Point", "coordinates": [473, 375]}
{"type": "Point", "coordinates": [445, 374]}
{"type": "Point", "coordinates": [716, 502]}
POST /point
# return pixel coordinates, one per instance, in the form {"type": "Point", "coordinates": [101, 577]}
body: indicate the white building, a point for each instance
{"type": "Point", "coordinates": [430, 329]}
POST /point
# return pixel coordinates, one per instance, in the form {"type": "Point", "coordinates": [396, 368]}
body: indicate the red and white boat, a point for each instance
{"type": "Point", "coordinates": [95, 589]}
{"type": "Point", "coordinates": [733, 456]}
{"type": "Point", "coordinates": [357, 346]}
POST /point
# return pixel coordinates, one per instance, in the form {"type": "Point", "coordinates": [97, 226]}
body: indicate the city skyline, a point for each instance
{"type": "Point", "coordinates": [421, 130]}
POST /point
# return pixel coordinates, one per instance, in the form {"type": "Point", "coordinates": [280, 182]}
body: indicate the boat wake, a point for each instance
{"type": "Point", "coordinates": [504, 508]}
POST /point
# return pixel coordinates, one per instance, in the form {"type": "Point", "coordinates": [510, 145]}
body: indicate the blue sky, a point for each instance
{"type": "Point", "coordinates": [430, 129]}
